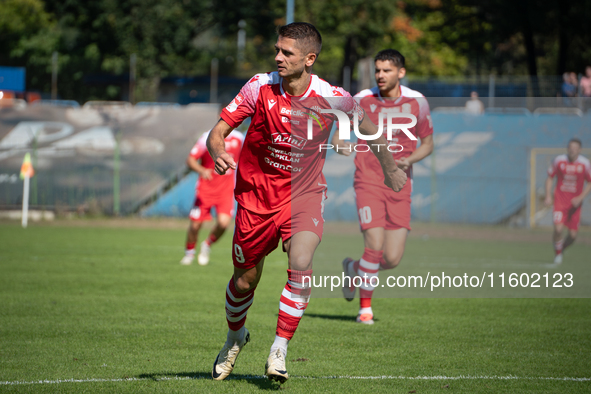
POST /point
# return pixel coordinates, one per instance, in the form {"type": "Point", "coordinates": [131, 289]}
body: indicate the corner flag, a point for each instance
{"type": "Point", "coordinates": [27, 168]}
{"type": "Point", "coordinates": [26, 173]}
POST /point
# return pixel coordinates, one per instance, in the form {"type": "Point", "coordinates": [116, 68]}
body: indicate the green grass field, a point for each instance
{"type": "Point", "coordinates": [112, 309]}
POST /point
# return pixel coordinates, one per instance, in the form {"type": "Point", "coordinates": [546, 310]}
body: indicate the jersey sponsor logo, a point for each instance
{"type": "Point", "coordinates": [288, 140]}
{"type": "Point", "coordinates": [285, 119]}
{"type": "Point", "coordinates": [315, 222]}
{"type": "Point", "coordinates": [292, 112]}
{"type": "Point", "coordinates": [373, 107]}
{"type": "Point", "coordinates": [281, 166]}
{"type": "Point", "coordinates": [271, 103]}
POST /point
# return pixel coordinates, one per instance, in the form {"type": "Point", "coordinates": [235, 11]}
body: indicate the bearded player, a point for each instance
{"type": "Point", "coordinates": [280, 188]}
{"type": "Point", "coordinates": [384, 216]}
{"type": "Point", "coordinates": [211, 191]}
{"type": "Point", "coordinates": [571, 171]}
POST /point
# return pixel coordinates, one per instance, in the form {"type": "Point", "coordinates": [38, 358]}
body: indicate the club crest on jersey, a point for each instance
{"type": "Point", "coordinates": [271, 103]}
{"type": "Point", "coordinates": [288, 140]}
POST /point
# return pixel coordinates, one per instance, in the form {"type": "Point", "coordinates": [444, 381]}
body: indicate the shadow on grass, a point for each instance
{"type": "Point", "coordinates": [258, 380]}
{"type": "Point", "coordinates": [350, 318]}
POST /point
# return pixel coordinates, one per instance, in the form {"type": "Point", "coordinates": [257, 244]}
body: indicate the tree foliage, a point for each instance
{"type": "Point", "coordinates": [180, 37]}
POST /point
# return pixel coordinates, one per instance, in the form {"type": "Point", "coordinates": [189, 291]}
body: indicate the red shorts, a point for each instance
{"type": "Point", "coordinates": [201, 211]}
{"type": "Point", "coordinates": [378, 206]}
{"type": "Point", "coordinates": [257, 234]}
{"type": "Point", "coordinates": [569, 216]}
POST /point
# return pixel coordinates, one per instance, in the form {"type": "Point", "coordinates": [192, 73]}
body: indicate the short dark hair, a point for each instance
{"type": "Point", "coordinates": [391, 54]}
{"type": "Point", "coordinates": [576, 140]}
{"type": "Point", "coordinates": [308, 36]}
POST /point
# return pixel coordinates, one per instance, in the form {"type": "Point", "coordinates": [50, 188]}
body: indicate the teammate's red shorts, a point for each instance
{"type": "Point", "coordinates": [258, 234]}
{"type": "Point", "coordinates": [378, 206]}
{"type": "Point", "coordinates": [569, 216]}
{"type": "Point", "coordinates": [201, 211]}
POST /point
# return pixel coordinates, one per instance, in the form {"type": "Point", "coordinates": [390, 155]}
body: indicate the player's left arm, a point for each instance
{"type": "Point", "coordinates": [394, 178]}
{"type": "Point", "coordinates": [424, 150]}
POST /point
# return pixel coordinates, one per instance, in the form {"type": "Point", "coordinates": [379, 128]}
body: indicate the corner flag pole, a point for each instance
{"type": "Point", "coordinates": [26, 173]}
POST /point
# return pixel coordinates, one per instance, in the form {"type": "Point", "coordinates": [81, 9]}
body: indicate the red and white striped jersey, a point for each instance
{"type": "Point", "coordinates": [367, 166]}
{"type": "Point", "coordinates": [570, 179]}
{"type": "Point", "coordinates": [218, 184]}
{"type": "Point", "coordinates": [278, 161]}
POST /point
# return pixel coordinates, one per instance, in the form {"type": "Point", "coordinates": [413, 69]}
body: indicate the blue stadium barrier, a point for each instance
{"type": "Point", "coordinates": [480, 173]}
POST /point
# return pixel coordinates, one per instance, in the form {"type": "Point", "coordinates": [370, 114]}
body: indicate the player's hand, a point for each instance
{"type": "Point", "coordinates": [344, 148]}
{"type": "Point", "coordinates": [206, 174]}
{"type": "Point", "coordinates": [394, 178]}
{"type": "Point", "coordinates": [223, 163]}
{"type": "Point", "coordinates": [548, 201]}
{"type": "Point", "coordinates": [403, 163]}
{"type": "Point", "coordinates": [577, 201]}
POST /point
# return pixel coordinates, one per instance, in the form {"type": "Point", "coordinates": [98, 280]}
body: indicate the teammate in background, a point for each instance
{"type": "Point", "coordinates": [211, 190]}
{"type": "Point", "coordinates": [270, 206]}
{"type": "Point", "coordinates": [571, 171]}
{"type": "Point", "coordinates": [384, 216]}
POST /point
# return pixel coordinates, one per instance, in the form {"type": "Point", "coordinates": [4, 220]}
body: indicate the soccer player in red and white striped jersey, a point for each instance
{"type": "Point", "coordinates": [280, 188]}
{"type": "Point", "coordinates": [384, 216]}
{"type": "Point", "coordinates": [571, 171]}
{"type": "Point", "coordinates": [211, 191]}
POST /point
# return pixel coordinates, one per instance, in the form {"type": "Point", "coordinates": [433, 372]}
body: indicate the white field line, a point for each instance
{"type": "Point", "coordinates": [246, 377]}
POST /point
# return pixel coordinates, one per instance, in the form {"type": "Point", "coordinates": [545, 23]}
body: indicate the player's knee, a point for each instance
{"type": "Point", "coordinates": [374, 243]}
{"type": "Point", "coordinates": [224, 221]}
{"type": "Point", "coordinates": [392, 260]}
{"type": "Point", "coordinates": [573, 235]}
{"type": "Point", "coordinates": [195, 226]}
{"type": "Point", "coordinates": [244, 283]}
{"type": "Point", "coordinates": [300, 262]}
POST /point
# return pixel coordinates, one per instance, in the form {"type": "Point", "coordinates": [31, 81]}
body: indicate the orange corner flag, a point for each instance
{"type": "Point", "coordinates": [27, 167]}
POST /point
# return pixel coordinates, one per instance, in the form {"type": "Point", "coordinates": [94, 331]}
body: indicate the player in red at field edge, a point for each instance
{"type": "Point", "coordinates": [211, 190]}
{"type": "Point", "coordinates": [571, 171]}
{"type": "Point", "coordinates": [384, 216]}
{"type": "Point", "coordinates": [264, 190]}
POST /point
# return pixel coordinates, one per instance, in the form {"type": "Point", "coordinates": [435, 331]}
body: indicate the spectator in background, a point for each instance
{"type": "Point", "coordinates": [586, 83]}
{"type": "Point", "coordinates": [474, 106]}
{"type": "Point", "coordinates": [569, 89]}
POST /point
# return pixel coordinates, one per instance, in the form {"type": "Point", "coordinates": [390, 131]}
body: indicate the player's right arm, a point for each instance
{"type": "Point", "coordinates": [217, 147]}
{"type": "Point", "coordinates": [193, 164]}
{"type": "Point", "coordinates": [549, 182]}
